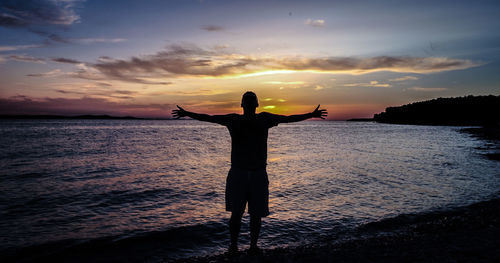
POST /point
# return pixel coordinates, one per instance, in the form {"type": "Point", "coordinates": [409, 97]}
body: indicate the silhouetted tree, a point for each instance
{"type": "Point", "coordinates": [468, 110]}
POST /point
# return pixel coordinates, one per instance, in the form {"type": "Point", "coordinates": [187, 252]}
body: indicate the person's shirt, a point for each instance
{"type": "Point", "coordinates": [248, 138]}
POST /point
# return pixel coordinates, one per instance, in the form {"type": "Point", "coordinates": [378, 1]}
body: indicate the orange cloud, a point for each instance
{"type": "Point", "coordinates": [427, 89]}
{"type": "Point", "coordinates": [194, 62]}
{"type": "Point", "coordinates": [372, 83]}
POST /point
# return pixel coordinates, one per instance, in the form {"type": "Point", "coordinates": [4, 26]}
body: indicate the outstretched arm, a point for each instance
{"type": "Point", "coordinates": [317, 113]}
{"type": "Point", "coordinates": [180, 112]}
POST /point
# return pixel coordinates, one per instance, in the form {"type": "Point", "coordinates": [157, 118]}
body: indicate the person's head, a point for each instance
{"type": "Point", "coordinates": [249, 100]}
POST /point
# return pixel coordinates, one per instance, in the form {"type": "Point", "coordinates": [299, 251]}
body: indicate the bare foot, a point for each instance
{"type": "Point", "coordinates": [233, 250]}
{"type": "Point", "coordinates": [254, 251]}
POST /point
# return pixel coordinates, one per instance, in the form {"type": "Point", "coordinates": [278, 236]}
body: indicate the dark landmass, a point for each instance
{"type": "Point", "coordinates": [460, 111]}
{"type": "Point", "coordinates": [83, 117]}
{"type": "Point", "coordinates": [466, 234]}
{"type": "Point", "coordinates": [361, 119]}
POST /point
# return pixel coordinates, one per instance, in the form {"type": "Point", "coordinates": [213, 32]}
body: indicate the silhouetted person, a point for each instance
{"type": "Point", "coordinates": [247, 179]}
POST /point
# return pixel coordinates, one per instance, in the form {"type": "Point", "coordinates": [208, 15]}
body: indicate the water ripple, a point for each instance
{"type": "Point", "coordinates": [151, 181]}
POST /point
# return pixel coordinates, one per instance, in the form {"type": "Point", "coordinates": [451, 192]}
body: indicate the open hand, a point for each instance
{"type": "Point", "coordinates": [179, 113]}
{"type": "Point", "coordinates": [317, 113]}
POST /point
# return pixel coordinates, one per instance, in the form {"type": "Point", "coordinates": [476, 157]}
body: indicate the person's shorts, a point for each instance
{"type": "Point", "coordinates": [250, 186]}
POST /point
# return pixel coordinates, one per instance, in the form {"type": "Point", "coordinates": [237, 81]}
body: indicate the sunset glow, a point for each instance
{"type": "Point", "coordinates": [143, 58]}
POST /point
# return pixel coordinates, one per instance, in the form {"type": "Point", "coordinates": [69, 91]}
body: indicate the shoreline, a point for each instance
{"type": "Point", "coordinates": [462, 234]}
{"type": "Point", "coordinates": [465, 234]}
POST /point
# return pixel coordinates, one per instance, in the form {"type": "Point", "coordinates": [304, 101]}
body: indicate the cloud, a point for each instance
{"type": "Point", "coordinates": [284, 82]}
{"type": "Point", "coordinates": [105, 59]}
{"type": "Point", "coordinates": [353, 65]}
{"type": "Point", "coordinates": [372, 83]}
{"type": "Point", "coordinates": [55, 38]}
{"type": "Point", "coordinates": [315, 23]}
{"type": "Point", "coordinates": [96, 40]}
{"type": "Point", "coordinates": [178, 61]}
{"type": "Point", "coordinates": [18, 47]}
{"type": "Point", "coordinates": [10, 21]}
{"type": "Point", "coordinates": [66, 60]}
{"type": "Point", "coordinates": [426, 89]}
{"type": "Point", "coordinates": [14, 13]}
{"type": "Point", "coordinates": [101, 93]}
{"type": "Point", "coordinates": [50, 74]}
{"type": "Point", "coordinates": [221, 47]}
{"type": "Point", "coordinates": [104, 84]}
{"type": "Point", "coordinates": [318, 87]}
{"type": "Point", "coordinates": [89, 73]}
{"type": "Point", "coordinates": [211, 104]}
{"type": "Point", "coordinates": [71, 92]}
{"type": "Point", "coordinates": [197, 92]}
{"type": "Point", "coordinates": [25, 58]}
{"type": "Point", "coordinates": [212, 28]}
{"type": "Point", "coordinates": [405, 78]}
{"type": "Point", "coordinates": [81, 106]}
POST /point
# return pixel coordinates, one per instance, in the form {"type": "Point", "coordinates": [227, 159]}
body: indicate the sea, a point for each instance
{"type": "Point", "coordinates": [157, 186]}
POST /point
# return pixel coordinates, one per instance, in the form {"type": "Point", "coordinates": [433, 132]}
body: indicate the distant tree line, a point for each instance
{"type": "Point", "coordinates": [468, 110]}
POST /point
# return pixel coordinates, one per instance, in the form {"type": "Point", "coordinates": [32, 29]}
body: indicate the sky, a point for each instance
{"type": "Point", "coordinates": [141, 58]}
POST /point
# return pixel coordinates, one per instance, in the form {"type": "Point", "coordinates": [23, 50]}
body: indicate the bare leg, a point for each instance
{"type": "Point", "coordinates": [234, 230]}
{"type": "Point", "coordinates": [255, 223]}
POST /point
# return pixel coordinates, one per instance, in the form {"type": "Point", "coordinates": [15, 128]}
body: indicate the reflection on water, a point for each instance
{"type": "Point", "coordinates": [84, 179]}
